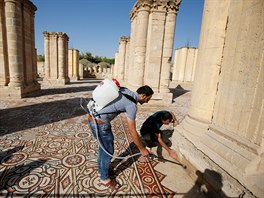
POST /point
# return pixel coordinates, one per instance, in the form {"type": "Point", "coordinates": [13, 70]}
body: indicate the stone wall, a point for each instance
{"type": "Point", "coordinates": [18, 64]}
{"type": "Point", "coordinates": [184, 66]}
{"type": "Point", "coordinates": [225, 124]}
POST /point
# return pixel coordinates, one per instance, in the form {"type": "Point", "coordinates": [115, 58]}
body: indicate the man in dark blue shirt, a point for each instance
{"type": "Point", "coordinates": [151, 133]}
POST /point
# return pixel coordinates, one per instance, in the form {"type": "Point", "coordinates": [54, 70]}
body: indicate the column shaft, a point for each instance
{"type": "Point", "coordinates": [167, 51]}
{"type": "Point", "coordinates": [13, 15]}
{"type": "Point", "coordinates": [61, 57]}
{"type": "Point", "coordinates": [47, 54]}
{"type": "Point", "coordinates": [208, 60]}
{"type": "Point", "coordinates": [4, 70]}
{"type": "Point", "coordinates": [140, 44]}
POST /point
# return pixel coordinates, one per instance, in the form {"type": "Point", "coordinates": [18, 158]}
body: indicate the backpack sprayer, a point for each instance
{"type": "Point", "coordinates": [103, 94]}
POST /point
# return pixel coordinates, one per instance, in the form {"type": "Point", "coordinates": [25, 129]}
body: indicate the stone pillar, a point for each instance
{"type": "Point", "coordinates": [29, 53]}
{"type": "Point", "coordinates": [131, 66]}
{"type": "Point", "coordinates": [210, 55]}
{"type": "Point", "coordinates": [47, 54]}
{"type": "Point", "coordinates": [13, 14]}
{"type": "Point", "coordinates": [61, 56]}
{"type": "Point", "coordinates": [115, 69]}
{"type": "Point", "coordinates": [121, 59]}
{"type": "Point", "coordinates": [73, 64]}
{"type": "Point", "coordinates": [127, 62]}
{"type": "Point", "coordinates": [4, 71]}
{"type": "Point", "coordinates": [18, 68]}
{"type": "Point", "coordinates": [56, 58]}
{"type": "Point", "coordinates": [225, 122]}
{"type": "Point", "coordinates": [81, 68]}
{"type": "Point", "coordinates": [140, 43]}
{"type": "Point", "coordinates": [76, 56]}
{"type": "Point", "coordinates": [155, 47]}
{"type": "Point", "coordinates": [168, 47]}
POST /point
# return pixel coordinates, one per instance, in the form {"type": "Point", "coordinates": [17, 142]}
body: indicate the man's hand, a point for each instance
{"type": "Point", "coordinates": [144, 152]}
{"type": "Point", "coordinates": [175, 123]}
{"type": "Point", "coordinates": [173, 154]}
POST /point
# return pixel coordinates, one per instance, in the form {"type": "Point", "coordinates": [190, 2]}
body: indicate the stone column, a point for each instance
{"type": "Point", "coordinates": [4, 71]}
{"type": "Point", "coordinates": [54, 56]}
{"type": "Point", "coordinates": [121, 60]}
{"type": "Point", "coordinates": [143, 10]}
{"type": "Point", "coordinates": [33, 48]}
{"type": "Point", "coordinates": [73, 64]}
{"type": "Point", "coordinates": [210, 56]}
{"type": "Point", "coordinates": [61, 56]}
{"type": "Point", "coordinates": [131, 67]}
{"type": "Point", "coordinates": [76, 64]}
{"type": "Point", "coordinates": [81, 68]}
{"type": "Point", "coordinates": [170, 24]}
{"type": "Point", "coordinates": [225, 122]}
{"type": "Point", "coordinates": [17, 50]}
{"type": "Point", "coordinates": [13, 14]}
{"type": "Point", "coordinates": [47, 54]}
{"type": "Point", "coordinates": [29, 51]}
{"type": "Point", "coordinates": [115, 69]}
{"type": "Point", "coordinates": [127, 62]}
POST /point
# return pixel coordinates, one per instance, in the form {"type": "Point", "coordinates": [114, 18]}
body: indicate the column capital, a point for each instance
{"type": "Point", "coordinates": [28, 5]}
{"type": "Point", "coordinates": [46, 34]}
{"type": "Point", "coordinates": [166, 5]}
{"type": "Point", "coordinates": [143, 5]}
{"type": "Point", "coordinates": [62, 35]}
{"type": "Point", "coordinates": [124, 39]}
{"type": "Point", "coordinates": [173, 6]}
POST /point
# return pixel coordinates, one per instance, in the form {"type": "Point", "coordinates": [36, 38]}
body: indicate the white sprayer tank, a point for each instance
{"type": "Point", "coordinates": [105, 93]}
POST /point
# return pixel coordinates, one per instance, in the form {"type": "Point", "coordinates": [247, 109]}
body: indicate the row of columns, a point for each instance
{"type": "Point", "coordinates": [18, 65]}
{"type": "Point", "coordinates": [147, 55]}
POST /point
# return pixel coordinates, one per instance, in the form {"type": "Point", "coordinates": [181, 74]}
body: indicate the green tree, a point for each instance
{"type": "Point", "coordinates": [40, 58]}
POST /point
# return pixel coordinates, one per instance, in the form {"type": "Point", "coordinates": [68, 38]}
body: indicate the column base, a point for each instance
{"type": "Point", "coordinates": [161, 99]}
{"type": "Point", "coordinates": [75, 78]}
{"type": "Point", "coordinates": [214, 151]}
{"type": "Point", "coordinates": [184, 85]}
{"type": "Point", "coordinates": [52, 81]}
{"type": "Point", "coordinates": [18, 92]}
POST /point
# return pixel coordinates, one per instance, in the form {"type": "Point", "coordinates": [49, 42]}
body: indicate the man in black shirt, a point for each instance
{"type": "Point", "coordinates": [151, 133]}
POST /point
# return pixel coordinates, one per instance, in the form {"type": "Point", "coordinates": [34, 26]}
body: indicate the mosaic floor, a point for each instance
{"type": "Point", "coordinates": [47, 150]}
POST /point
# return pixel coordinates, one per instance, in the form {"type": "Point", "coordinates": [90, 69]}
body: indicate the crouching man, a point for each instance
{"type": "Point", "coordinates": [151, 134]}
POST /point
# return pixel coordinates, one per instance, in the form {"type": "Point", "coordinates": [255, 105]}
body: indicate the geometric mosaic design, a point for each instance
{"type": "Point", "coordinates": [58, 155]}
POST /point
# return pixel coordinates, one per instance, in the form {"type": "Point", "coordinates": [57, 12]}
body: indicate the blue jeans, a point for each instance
{"type": "Point", "coordinates": [106, 139]}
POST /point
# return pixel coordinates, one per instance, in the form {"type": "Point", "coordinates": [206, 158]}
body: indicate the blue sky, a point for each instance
{"type": "Point", "coordinates": [96, 25]}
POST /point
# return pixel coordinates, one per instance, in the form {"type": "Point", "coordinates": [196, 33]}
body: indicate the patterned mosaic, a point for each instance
{"type": "Point", "coordinates": [47, 150]}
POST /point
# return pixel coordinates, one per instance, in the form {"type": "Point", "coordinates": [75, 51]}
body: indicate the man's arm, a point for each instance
{"type": "Point", "coordinates": [175, 121]}
{"type": "Point", "coordinates": [136, 138]}
{"type": "Point", "coordinates": [171, 152]}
